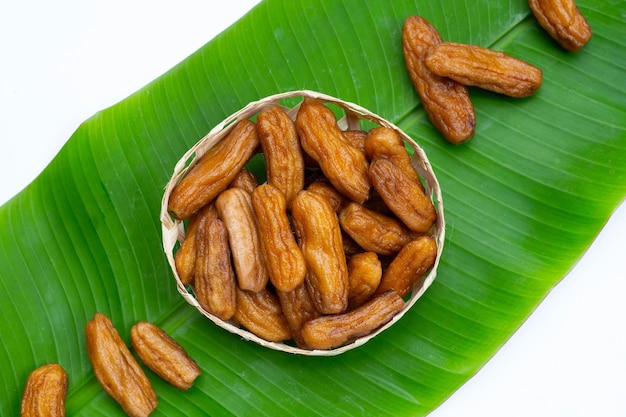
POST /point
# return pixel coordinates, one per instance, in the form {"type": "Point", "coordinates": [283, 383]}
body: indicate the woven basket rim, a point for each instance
{"type": "Point", "coordinates": [173, 229]}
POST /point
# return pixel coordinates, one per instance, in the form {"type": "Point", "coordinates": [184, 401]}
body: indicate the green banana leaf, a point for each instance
{"type": "Point", "coordinates": [524, 199]}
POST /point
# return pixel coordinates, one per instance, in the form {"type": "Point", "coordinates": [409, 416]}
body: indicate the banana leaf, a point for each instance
{"type": "Point", "coordinates": [524, 199]}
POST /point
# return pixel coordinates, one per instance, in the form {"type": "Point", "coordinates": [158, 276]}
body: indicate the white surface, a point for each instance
{"type": "Point", "coordinates": [63, 61]}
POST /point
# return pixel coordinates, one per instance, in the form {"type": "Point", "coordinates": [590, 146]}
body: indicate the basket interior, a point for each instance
{"type": "Point", "coordinates": [350, 116]}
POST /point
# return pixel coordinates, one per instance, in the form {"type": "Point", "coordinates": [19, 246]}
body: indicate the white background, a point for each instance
{"type": "Point", "coordinates": [62, 61]}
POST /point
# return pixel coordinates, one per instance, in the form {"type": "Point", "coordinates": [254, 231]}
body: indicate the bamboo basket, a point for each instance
{"type": "Point", "coordinates": [173, 230]}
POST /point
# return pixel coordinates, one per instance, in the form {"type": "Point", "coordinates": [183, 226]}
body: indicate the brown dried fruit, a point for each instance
{"type": "Point", "coordinates": [447, 102]}
{"type": "Point", "coordinates": [159, 352]}
{"type": "Point", "coordinates": [214, 171]}
{"type": "Point", "coordinates": [246, 180]}
{"type": "Point", "coordinates": [344, 165]}
{"type": "Point", "coordinates": [350, 247]}
{"type": "Point", "coordinates": [340, 275]}
{"type": "Point", "coordinates": [234, 207]}
{"type": "Point", "coordinates": [563, 21]}
{"type": "Point", "coordinates": [485, 68]}
{"type": "Point", "coordinates": [405, 198]}
{"type": "Point", "coordinates": [409, 266]}
{"type": "Point", "coordinates": [356, 138]}
{"type": "Point", "coordinates": [185, 257]}
{"type": "Point", "coordinates": [281, 149]}
{"type": "Point", "coordinates": [327, 332]}
{"type": "Point", "coordinates": [337, 200]}
{"type": "Point", "coordinates": [319, 236]}
{"type": "Point", "coordinates": [215, 281]}
{"type": "Point", "coordinates": [298, 308]}
{"type": "Point", "coordinates": [283, 257]}
{"type": "Point", "coordinates": [373, 231]}
{"type": "Point", "coordinates": [365, 271]}
{"type": "Point", "coordinates": [384, 141]}
{"type": "Point", "coordinates": [45, 392]}
{"type": "Point", "coordinates": [261, 313]}
{"type": "Point", "coordinates": [377, 204]}
{"type": "Point", "coordinates": [117, 370]}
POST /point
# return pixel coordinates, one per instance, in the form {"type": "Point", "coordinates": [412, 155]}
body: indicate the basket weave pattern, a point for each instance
{"type": "Point", "coordinates": [173, 230]}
